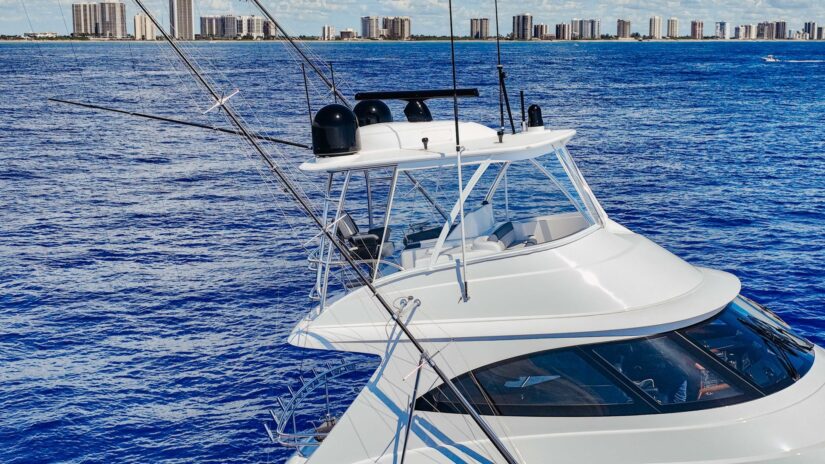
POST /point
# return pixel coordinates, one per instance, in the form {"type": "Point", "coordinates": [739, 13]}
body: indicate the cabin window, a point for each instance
{"type": "Point", "coordinates": [741, 354]}
{"type": "Point", "coordinates": [670, 373]}
{"type": "Point", "coordinates": [552, 383]}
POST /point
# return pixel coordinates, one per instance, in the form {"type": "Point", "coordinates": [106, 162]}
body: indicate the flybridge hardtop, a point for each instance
{"type": "Point", "coordinates": [402, 144]}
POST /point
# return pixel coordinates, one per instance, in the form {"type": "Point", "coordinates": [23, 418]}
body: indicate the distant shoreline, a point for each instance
{"type": "Point", "coordinates": [333, 42]}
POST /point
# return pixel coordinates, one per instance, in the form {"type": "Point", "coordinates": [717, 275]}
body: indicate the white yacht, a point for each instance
{"type": "Point", "coordinates": [770, 59]}
{"type": "Point", "coordinates": [573, 338]}
{"type": "Point", "coordinates": [514, 320]}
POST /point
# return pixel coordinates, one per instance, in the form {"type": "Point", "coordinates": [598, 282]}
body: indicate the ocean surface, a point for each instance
{"type": "Point", "coordinates": [149, 275]}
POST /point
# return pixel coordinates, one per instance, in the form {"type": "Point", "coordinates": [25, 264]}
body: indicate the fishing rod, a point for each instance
{"type": "Point", "coordinates": [176, 121]}
{"type": "Point", "coordinates": [304, 204]}
{"type": "Point", "coordinates": [301, 52]}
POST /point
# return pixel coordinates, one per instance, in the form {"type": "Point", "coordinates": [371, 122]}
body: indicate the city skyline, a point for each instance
{"type": "Point", "coordinates": [304, 17]}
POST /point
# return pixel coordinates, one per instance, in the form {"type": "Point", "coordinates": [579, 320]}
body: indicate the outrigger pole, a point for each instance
{"type": "Point", "coordinates": [303, 202]}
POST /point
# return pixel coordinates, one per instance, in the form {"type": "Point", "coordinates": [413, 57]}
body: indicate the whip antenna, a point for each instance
{"type": "Point", "coordinates": [503, 98]}
{"type": "Point", "coordinates": [465, 293]}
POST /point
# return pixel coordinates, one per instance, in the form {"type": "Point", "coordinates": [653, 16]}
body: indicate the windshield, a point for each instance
{"type": "Point", "coordinates": [507, 206]}
{"type": "Point", "coordinates": [756, 344]}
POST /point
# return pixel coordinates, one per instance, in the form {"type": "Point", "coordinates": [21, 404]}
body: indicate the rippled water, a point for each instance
{"type": "Point", "coordinates": [149, 276]}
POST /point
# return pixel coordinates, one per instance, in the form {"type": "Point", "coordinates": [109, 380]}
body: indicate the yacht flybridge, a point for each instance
{"type": "Point", "coordinates": [514, 320]}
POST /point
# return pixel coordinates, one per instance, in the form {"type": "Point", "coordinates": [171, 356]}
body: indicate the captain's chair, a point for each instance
{"type": "Point", "coordinates": [364, 247]}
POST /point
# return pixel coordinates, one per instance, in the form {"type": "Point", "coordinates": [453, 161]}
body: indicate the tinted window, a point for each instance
{"type": "Point", "coordinates": [669, 373]}
{"type": "Point", "coordinates": [552, 383]}
{"type": "Point", "coordinates": [743, 353]}
{"type": "Point", "coordinates": [756, 344]}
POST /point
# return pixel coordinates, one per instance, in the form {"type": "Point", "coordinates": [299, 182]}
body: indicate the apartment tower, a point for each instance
{"type": "Point", "coordinates": [181, 19]}
{"type": "Point", "coordinates": [655, 27]}
{"type": "Point", "coordinates": [522, 26]}
{"type": "Point", "coordinates": [673, 28]}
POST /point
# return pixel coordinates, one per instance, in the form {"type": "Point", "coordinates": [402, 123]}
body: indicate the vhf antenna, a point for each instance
{"type": "Point", "coordinates": [503, 99]}
{"type": "Point", "coordinates": [465, 293]}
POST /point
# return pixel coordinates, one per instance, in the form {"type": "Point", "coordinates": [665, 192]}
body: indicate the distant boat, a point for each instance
{"type": "Point", "coordinates": [770, 59]}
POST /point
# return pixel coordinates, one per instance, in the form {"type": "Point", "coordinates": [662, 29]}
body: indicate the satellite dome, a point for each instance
{"type": "Point", "coordinates": [335, 131]}
{"type": "Point", "coordinates": [372, 112]}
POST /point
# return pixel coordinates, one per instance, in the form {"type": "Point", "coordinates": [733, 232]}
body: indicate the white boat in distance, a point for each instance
{"type": "Point", "coordinates": [770, 59]}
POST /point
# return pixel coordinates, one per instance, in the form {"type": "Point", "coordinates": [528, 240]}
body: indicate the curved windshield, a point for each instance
{"type": "Point", "coordinates": [756, 344]}
{"type": "Point", "coordinates": [743, 353]}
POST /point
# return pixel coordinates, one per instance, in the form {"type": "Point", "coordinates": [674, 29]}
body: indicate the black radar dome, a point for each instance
{"type": "Point", "coordinates": [372, 112]}
{"type": "Point", "coordinates": [335, 131]}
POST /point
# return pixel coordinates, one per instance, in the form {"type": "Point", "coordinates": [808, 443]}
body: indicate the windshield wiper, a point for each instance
{"type": "Point", "coordinates": [777, 341]}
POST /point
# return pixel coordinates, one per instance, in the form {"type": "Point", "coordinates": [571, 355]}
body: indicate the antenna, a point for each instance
{"type": "Point", "coordinates": [332, 75]}
{"type": "Point", "coordinates": [503, 99]}
{"type": "Point", "coordinates": [465, 294]}
{"type": "Point", "coordinates": [306, 91]}
{"type": "Point", "coordinates": [498, 66]}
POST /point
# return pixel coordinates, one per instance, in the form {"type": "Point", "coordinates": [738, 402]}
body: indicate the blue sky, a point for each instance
{"type": "Point", "coordinates": [429, 16]}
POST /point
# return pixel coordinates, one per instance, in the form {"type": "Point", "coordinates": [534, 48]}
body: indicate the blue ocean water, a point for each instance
{"type": "Point", "coordinates": [149, 276]}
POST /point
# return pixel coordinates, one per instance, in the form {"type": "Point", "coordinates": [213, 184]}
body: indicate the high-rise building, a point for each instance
{"type": "Point", "coordinates": [144, 28]}
{"type": "Point", "coordinates": [270, 31]}
{"type": "Point", "coordinates": [541, 31]}
{"type": "Point", "coordinates": [655, 27]}
{"type": "Point", "coordinates": [370, 27]}
{"type": "Point", "coordinates": [242, 26]}
{"type": "Point", "coordinates": [398, 27]}
{"type": "Point", "coordinates": [673, 28]}
{"type": "Point", "coordinates": [348, 34]}
{"type": "Point", "coordinates": [780, 30]}
{"type": "Point", "coordinates": [749, 31]}
{"type": "Point", "coordinates": [480, 28]}
{"type": "Point", "coordinates": [722, 30]}
{"type": "Point", "coordinates": [563, 32]}
{"type": "Point", "coordinates": [85, 19]}
{"type": "Point", "coordinates": [575, 28]}
{"type": "Point", "coordinates": [327, 32]}
{"type": "Point", "coordinates": [181, 19]}
{"type": "Point", "coordinates": [820, 34]}
{"type": "Point", "coordinates": [112, 20]}
{"type": "Point", "coordinates": [810, 29]}
{"type": "Point", "coordinates": [623, 28]}
{"type": "Point", "coordinates": [522, 26]}
{"type": "Point", "coordinates": [230, 27]}
{"type": "Point", "coordinates": [766, 31]}
{"type": "Point", "coordinates": [212, 27]}
{"type": "Point", "coordinates": [585, 28]}
{"type": "Point", "coordinates": [254, 26]}
{"type": "Point", "coordinates": [697, 29]}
